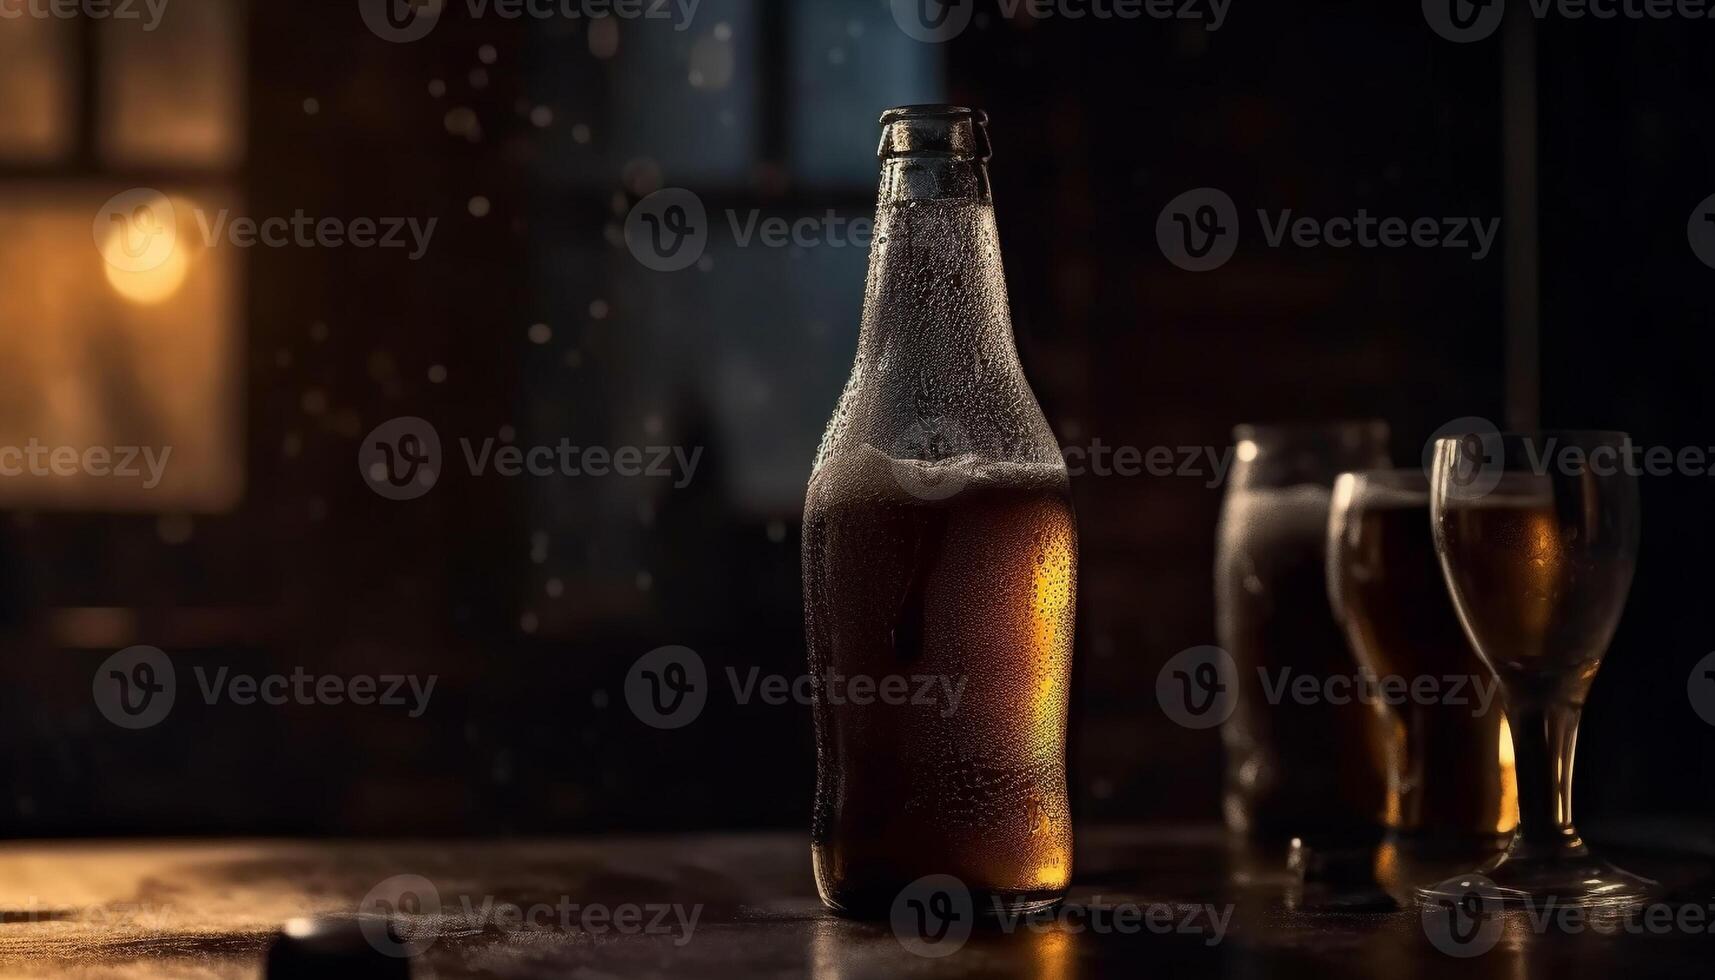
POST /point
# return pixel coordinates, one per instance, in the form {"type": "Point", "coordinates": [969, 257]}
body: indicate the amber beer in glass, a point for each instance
{"type": "Point", "coordinates": [939, 542]}
{"type": "Point", "coordinates": [1538, 534]}
{"type": "Point", "coordinates": [1450, 775]}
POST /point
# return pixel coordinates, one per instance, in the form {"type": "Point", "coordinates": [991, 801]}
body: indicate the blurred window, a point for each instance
{"type": "Point", "coordinates": [121, 332]}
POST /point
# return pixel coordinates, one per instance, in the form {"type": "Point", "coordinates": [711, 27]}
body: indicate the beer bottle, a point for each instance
{"type": "Point", "coordinates": [940, 560]}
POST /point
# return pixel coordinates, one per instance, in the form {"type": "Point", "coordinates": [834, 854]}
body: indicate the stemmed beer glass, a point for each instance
{"type": "Point", "coordinates": [1538, 538]}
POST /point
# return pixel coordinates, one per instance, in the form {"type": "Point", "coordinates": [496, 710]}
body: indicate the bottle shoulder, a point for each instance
{"type": "Point", "coordinates": [992, 422]}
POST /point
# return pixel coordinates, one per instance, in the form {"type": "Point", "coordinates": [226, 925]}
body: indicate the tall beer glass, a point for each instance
{"type": "Point", "coordinates": [1307, 769]}
{"type": "Point", "coordinates": [1450, 777]}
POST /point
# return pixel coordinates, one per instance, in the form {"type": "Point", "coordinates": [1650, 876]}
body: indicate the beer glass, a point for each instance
{"type": "Point", "coordinates": [1538, 538]}
{"type": "Point", "coordinates": [1450, 770]}
{"type": "Point", "coordinates": [939, 545]}
{"type": "Point", "coordinates": [1307, 769]}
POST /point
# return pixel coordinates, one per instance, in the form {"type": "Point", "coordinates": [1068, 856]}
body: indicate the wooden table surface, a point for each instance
{"type": "Point", "coordinates": [744, 905]}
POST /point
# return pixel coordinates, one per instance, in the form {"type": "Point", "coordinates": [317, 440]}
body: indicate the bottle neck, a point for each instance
{"type": "Point", "coordinates": [933, 178]}
{"type": "Point", "coordinates": [935, 305]}
{"type": "Point", "coordinates": [935, 302]}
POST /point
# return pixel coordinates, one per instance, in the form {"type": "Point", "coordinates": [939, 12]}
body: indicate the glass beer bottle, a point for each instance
{"type": "Point", "coordinates": [940, 548]}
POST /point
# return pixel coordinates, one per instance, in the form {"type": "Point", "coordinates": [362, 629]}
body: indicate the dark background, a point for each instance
{"type": "Point", "coordinates": [530, 598]}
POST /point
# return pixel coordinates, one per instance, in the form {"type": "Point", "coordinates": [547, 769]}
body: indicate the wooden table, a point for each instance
{"type": "Point", "coordinates": [744, 906]}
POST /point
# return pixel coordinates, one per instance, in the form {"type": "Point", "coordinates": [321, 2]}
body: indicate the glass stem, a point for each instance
{"type": "Point", "coordinates": [1545, 736]}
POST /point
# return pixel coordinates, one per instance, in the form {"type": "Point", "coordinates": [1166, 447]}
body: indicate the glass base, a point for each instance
{"type": "Point", "coordinates": [1526, 877]}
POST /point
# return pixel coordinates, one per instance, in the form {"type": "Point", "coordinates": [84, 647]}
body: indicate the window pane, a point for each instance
{"type": "Point", "coordinates": [98, 357]}
{"type": "Point", "coordinates": [849, 62]}
{"type": "Point", "coordinates": [173, 95]}
{"type": "Point", "coordinates": [36, 79]}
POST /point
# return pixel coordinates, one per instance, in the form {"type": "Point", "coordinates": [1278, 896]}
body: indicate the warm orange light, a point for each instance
{"type": "Point", "coordinates": [1508, 821]}
{"type": "Point", "coordinates": [144, 249]}
{"type": "Point", "coordinates": [1050, 604]}
{"type": "Point", "coordinates": [150, 286]}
